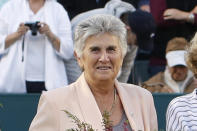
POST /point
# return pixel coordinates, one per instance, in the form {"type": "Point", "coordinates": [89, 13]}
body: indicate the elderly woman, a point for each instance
{"type": "Point", "coordinates": [182, 111]}
{"type": "Point", "coordinates": [33, 52]}
{"type": "Point", "coordinates": [100, 46]}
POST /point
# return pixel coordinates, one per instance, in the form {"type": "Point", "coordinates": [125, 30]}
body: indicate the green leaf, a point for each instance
{"type": "Point", "coordinates": [81, 125]}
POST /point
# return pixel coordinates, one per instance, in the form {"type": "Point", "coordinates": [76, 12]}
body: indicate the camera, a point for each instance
{"type": "Point", "coordinates": [33, 26]}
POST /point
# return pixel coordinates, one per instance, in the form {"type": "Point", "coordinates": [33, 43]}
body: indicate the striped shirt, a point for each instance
{"type": "Point", "coordinates": [181, 114]}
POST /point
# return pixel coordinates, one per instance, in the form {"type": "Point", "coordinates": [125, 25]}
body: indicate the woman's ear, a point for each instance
{"type": "Point", "coordinates": [128, 27]}
{"type": "Point", "coordinates": [79, 61]}
{"type": "Point", "coordinates": [75, 54]}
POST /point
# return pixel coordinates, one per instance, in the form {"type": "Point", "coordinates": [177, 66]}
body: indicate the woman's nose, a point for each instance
{"type": "Point", "coordinates": [104, 57]}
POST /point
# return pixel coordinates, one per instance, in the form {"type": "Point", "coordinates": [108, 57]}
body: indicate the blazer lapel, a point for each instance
{"type": "Point", "coordinates": [127, 105]}
{"type": "Point", "coordinates": [90, 110]}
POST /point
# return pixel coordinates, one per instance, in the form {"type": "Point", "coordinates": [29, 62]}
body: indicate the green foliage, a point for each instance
{"type": "Point", "coordinates": [82, 126]}
{"type": "Point", "coordinates": [106, 122]}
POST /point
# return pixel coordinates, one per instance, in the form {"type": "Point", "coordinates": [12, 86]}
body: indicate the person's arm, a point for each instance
{"type": "Point", "coordinates": [12, 38]}
{"type": "Point", "coordinates": [60, 35]}
{"type": "Point", "coordinates": [44, 29]}
{"type": "Point", "coordinates": [54, 40]}
{"type": "Point", "coordinates": [9, 38]}
{"type": "Point", "coordinates": [128, 63]}
{"type": "Point", "coordinates": [162, 15]}
{"type": "Point", "coordinates": [158, 7]}
{"type": "Point", "coordinates": [175, 14]}
{"type": "Point", "coordinates": [73, 70]}
{"type": "Point", "coordinates": [64, 34]}
{"type": "Point", "coordinates": [46, 118]}
{"type": "Point", "coordinates": [194, 11]}
{"type": "Point", "coordinates": [153, 116]}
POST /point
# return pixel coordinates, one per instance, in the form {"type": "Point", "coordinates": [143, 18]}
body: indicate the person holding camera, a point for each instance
{"type": "Point", "coordinates": [35, 38]}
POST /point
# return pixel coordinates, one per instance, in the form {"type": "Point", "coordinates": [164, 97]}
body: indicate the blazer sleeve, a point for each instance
{"type": "Point", "coordinates": [46, 118]}
{"type": "Point", "coordinates": [153, 116]}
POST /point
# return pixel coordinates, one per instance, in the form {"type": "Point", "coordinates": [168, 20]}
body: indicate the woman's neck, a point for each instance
{"type": "Point", "coordinates": [104, 96]}
{"type": "Point", "coordinates": [36, 5]}
{"type": "Point", "coordinates": [101, 87]}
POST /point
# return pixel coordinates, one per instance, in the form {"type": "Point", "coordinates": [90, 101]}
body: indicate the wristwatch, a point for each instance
{"type": "Point", "coordinates": [191, 18]}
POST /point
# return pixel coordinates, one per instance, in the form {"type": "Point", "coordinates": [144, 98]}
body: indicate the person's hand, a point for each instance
{"type": "Point", "coordinates": [175, 14]}
{"type": "Point", "coordinates": [145, 8]}
{"type": "Point", "coordinates": [194, 10]}
{"type": "Point", "coordinates": [22, 29]}
{"type": "Point", "coordinates": [13, 37]}
{"type": "Point", "coordinates": [44, 29]}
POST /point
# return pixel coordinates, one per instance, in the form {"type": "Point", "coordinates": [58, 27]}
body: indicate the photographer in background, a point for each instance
{"type": "Point", "coordinates": [33, 53]}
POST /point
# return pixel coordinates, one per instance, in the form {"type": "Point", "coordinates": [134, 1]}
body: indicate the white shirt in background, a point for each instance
{"type": "Point", "coordinates": [35, 61]}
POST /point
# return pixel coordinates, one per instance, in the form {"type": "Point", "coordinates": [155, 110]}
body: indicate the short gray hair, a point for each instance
{"type": "Point", "coordinates": [98, 24]}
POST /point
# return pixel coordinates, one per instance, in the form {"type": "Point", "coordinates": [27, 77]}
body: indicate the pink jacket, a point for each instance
{"type": "Point", "coordinates": [78, 99]}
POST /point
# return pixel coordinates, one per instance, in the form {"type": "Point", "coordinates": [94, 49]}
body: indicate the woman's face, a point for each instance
{"type": "Point", "coordinates": [102, 57]}
{"type": "Point", "coordinates": [178, 73]}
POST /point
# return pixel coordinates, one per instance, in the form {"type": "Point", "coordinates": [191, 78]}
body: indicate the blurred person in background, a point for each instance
{"type": "Point", "coordinates": [75, 7]}
{"type": "Point", "coordinates": [176, 78]}
{"type": "Point", "coordinates": [181, 113]}
{"type": "Point", "coordinates": [173, 19]}
{"type": "Point", "coordinates": [33, 52]}
{"type": "Point", "coordinates": [142, 27]}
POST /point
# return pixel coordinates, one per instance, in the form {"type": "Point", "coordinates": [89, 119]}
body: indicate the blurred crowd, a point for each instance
{"type": "Point", "coordinates": [36, 43]}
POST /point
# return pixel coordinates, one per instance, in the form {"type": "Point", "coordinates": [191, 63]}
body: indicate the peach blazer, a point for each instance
{"type": "Point", "coordinates": [78, 99]}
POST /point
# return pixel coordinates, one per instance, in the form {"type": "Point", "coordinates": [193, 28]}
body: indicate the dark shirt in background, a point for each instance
{"type": "Point", "coordinates": [75, 7]}
{"type": "Point", "coordinates": [168, 29]}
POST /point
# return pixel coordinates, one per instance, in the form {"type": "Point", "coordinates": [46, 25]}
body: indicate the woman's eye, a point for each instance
{"type": "Point", "coordinates": [111, 49]}
{"type": "Point", "coordinates": [95, 49]}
